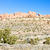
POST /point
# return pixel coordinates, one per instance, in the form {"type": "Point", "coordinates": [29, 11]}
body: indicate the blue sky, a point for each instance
{"type": "Point", "coordinates": [12, 6]}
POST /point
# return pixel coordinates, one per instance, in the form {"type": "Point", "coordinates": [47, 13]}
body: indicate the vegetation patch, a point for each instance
{"type": "Point", "coordinates": [5, 36]}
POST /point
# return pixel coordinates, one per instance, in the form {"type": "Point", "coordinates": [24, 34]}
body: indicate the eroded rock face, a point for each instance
{"type": "Point", "coordinates": [33, 13]}
{"type": "Point", "coordinates": [47, 15]}
{"type": "Point", "coordinates": [40, 15]}
{"type": "Point", "coordinates": [20, 15]}
{"type": "Point", "coordinates": [1, 16]}
{"type": "Point", "coordinates": [5, 15]}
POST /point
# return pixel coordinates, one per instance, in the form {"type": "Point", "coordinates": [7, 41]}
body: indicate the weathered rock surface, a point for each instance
{"type": "Point", "coordinates": [20, 15]}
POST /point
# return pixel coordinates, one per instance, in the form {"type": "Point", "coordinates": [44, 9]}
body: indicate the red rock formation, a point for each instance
{"type": "Point", "coordinates": [1, 16]}
{"type": "Point", "coordinates": [5, 15]}
{"type": "Point", "coordinates": [33, 13]}
{"type": "Point", "coordinates": [40, 15]}
{"type": "Point", "coordinates": [47, 15]}
{"type": "Point", "coordinates": [20, 14]}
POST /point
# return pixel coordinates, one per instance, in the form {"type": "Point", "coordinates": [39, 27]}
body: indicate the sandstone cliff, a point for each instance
{"type": "Point", "coordinates": [20, 15]}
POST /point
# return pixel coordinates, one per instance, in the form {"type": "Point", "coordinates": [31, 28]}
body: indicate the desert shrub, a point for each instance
{"type": "Point", "coordinates": [12, 39]}
{"type": "Point", "coordinates": [35, 35]}
{"type": "Point", "coordinates": [33, 30]}
{"type": "Point", "coordinates": [37, 39]}
{"type": "Point", "coordinates": [31, 41]}
{"type": "Point", "coordinates": [5, 36]}
{"type": "Point", "coordinates": [47, 41]}
{"type": "Point", "coordinates": [34, 42]}
{"type": "Point", "coordinates": [48, 22]}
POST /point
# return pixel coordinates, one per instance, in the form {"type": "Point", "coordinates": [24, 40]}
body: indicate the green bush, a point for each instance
{"type": "Point", "coordinates": [5, 36]}
{"type": "Point", "coordinates": [47, 41]}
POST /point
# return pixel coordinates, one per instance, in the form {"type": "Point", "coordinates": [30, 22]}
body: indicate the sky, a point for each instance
{"type": "Point", "coordinates": [13, 6]}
